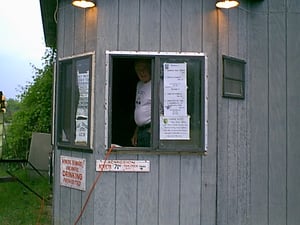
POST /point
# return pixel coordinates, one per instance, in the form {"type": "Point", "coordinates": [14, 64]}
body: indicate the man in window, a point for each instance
{"type": "Point", "coordinates": [142, 112]}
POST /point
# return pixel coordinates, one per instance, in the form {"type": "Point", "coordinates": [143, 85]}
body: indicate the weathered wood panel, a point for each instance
{"type": "Point", "coordinates": [169, 189]}
{"type": "Point", "coordinates": [79, 31]}
{"type": "Point", "coordinates": [231, 134]}
{"type": "Point", "coordinates": [91, 30]}
{"type": "Point", "coordinates": [169, 166]}
{"type": "Point", "coordinates": [67, 28]}
{"type": "Point", "coordinates": [170, 25]}
{"type": "Point", "coordinates": [293, 6]}
{"type": "Point", "coordinates": [209, 162]}
{"type": "Point", "coordinates": [250, 174]}
{"type": "Point", "coordinates": [148, 184]}
{"type": "Point", "coordinates": [88, 214]}
{"type": "Point", "coordinates": [190, 190]}
{"type": "Point", "coordinates": [293, 118]}
{"type": "Point", "coordinates": [192, 25]}
{"type": "Point", "coordinates": [107, 39]}
{"type": "Point", "coordinates": [277, 119]}
{"type": "Point", "coordinates": [126, 183]}
{"type": "Point", "coordinates": [233, 169]}
{"type": "Point", "coordinates": [126, 196]}
{"type": "Point", "coordinates": [258, 61]}
{"type": "Point", "coordinates": [243, 151]}
{"type": "Point", "coordinates": [222, 163]}
{"type": "Point", "coordinates": [149, 25]}
{"type": "Point", "coordinates": [58, 197]}
{"type": "Point", "coordinates": [148, 193]}
{"type": "Point", "coordinates": [68, 31]}
{"type": "Point", "coordinates": [128, 25]}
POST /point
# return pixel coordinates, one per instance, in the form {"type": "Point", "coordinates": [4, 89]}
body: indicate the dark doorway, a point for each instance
{"type": "Point", "coordinates": [123, 98]}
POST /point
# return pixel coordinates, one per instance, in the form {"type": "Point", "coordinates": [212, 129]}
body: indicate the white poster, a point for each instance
{"type": "Point", "coordinates": [73, 172]}
{"type": "Point", "coordinates": [82, 108]}
{"type": "Point", "coordinates": [174, 128]}
{"type": "Point", "coordinates": [175, 89]}
{"type": "Point", "coordinates": [175, 121]}
{"type": "Point", "coordinates": [175, 103]}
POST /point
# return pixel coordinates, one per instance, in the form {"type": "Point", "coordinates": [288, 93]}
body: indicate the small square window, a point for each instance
{"type": "Point", "coordinates": [233, 77]}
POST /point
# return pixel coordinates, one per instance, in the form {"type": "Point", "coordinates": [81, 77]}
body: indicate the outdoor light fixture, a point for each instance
{"type": "Point", "coordinates": [84, 3]}
{"type": "Point", "coordinates": [227, 4]}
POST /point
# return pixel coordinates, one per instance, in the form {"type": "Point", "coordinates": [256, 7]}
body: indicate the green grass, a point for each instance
{"type": "Point", "coordinates": [19, 206]}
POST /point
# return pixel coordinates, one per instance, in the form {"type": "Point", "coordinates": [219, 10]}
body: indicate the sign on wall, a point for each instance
{"type": "Point", "coordinates": [73, 172]}
{"type": "Point", "coordinates": [123, 165]}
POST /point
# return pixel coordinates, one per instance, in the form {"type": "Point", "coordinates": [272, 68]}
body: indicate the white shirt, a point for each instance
{"type": "Point", "coordinates": [142, 112]}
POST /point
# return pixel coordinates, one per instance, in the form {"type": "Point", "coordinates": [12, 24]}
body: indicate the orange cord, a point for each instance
{"type": "Point", "coordinates": [93, 186]}
{"type": "Point", "coordinates": [41, 211]}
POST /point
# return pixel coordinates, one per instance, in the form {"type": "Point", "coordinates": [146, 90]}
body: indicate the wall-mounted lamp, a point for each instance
{"type": "Point", "coordinates": [83, 3]}
{"type": "Point", "coordinates": [227, 4]}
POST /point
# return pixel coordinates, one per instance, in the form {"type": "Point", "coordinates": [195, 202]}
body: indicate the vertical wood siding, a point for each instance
{"type": "Point", "coordinates": [292, 108]}
{"type": "Point", "coordinates": [250, 175]}
{"type": "Point", "coordinates": [76, 35]}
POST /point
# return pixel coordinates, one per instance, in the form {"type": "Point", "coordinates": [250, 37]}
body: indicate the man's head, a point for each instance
{"type": "Point", "coordinates": [143, 69]}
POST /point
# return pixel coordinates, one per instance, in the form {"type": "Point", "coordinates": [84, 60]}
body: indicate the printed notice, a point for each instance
{"type": "Point", "coordinates": [123, 165]}
{"type": "Point", "coordinates": [175, 121]}
{"type": "Point", "coordinates": [175, 89]}
{"type": "Point", "coordinates": [175, 103]}
{"type": "Point", "coordinates": [82, 108]}
{"type": "Point", "coordinates": [73, 172]}
{"type": "Point", "coordinates": [174, 128]}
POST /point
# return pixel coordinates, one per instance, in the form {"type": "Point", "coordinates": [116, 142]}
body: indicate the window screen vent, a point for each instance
{"type": "Point", "coordinates": [233, 77]}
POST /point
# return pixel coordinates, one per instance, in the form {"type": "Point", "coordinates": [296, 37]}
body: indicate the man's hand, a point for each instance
{"type": "Point", "coordinates": [134, 137]}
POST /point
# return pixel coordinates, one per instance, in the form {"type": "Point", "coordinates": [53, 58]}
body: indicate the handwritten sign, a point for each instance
{"type": "Point", "coordinates": [73, 172]}
{"type": "Point", "coordinates": [123, 165]}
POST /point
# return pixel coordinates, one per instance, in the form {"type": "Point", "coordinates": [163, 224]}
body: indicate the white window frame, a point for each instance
{"type": "Point", "coordinates": [110, 54]}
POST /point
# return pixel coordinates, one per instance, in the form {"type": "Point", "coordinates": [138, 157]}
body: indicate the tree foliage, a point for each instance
{"type": "Point", "coordinates": [35, 110]}
{"type": "Point", "coordinates": [13, 106]}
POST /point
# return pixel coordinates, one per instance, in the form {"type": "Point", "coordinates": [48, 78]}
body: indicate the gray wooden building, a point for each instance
{"type": "Point", "coordinates": [235, 157]}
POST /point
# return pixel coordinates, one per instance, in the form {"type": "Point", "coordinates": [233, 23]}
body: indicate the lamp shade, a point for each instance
{"type": "Point", "coordinates": [227, 4]}
{"type": "Point", "coordinates": [83, 3]}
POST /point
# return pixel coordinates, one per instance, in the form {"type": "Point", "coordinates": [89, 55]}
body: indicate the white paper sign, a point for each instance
{"type": "Point", "coordinates": [175, 73]}
{"type": "Point", "coordinates": [123, 165]}
{"type": "Point", "coordinates": [174, 128]}
{"type": "Point", "coordinates": [175, 89]}
{"type": "Point", "coordinates": [175, 121]}
{"type": "Point", "coordinates": [73, 172]}
{"type": "Point", "coordinates": [175, 101]}
{"type": "Point", "coordinates": [82, 108]}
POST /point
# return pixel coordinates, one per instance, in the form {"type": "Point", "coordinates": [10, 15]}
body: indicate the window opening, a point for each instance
{"type": "Point", "coordinates": [178, 102]}
{"type": "Point", "coordinates": [124, 81]}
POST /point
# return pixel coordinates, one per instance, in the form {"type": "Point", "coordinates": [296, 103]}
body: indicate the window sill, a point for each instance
{"type": "Point", "coordinates": [150, 151]}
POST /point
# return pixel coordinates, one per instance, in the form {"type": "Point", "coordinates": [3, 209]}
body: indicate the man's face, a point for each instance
{"type": "Point", "coordinates": [143, 71]}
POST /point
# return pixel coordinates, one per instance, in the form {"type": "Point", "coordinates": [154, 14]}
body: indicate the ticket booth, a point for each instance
{"type": "Point", "coordinates": [224, 86]}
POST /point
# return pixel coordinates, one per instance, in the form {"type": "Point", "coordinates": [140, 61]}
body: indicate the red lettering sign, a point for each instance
{"type": "Point", "coordinates": [72, 172]}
